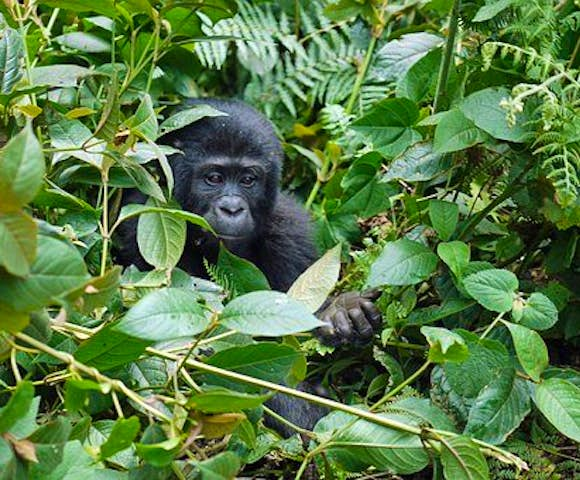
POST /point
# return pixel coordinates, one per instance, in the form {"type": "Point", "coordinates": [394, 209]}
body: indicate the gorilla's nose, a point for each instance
{"type": "Point", "coordinates": [231, 206]}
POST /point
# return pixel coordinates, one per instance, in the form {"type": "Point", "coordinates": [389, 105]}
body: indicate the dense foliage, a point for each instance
{"type": "Point", "coordinates": [437, 142]}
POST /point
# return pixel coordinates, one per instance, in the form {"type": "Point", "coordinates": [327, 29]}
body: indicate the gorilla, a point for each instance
{"type": "Point", "coordinates": [230, 174]}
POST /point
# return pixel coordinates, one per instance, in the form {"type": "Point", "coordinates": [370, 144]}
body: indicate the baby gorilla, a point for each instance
{"type": "Point", "coordinates": [230, 173]}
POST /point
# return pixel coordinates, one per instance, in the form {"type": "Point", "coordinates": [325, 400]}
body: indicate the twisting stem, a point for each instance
{"type": "Point", "coordinates": [441, 91]}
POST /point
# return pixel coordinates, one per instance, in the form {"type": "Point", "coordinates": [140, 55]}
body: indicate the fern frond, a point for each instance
{"type": "Point", "coordinates": [221, 278]}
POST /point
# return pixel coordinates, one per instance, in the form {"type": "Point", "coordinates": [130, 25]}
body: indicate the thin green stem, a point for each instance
{"type": "Point", "coordinates": [441, 90]}
{"type": "Point", "coordinates": [361, 75]}
{"type": "Point", "coordinates": [492, 325]}
{"type": "Point", "coordinates": [402, 385]}
{"type": "Point", "coordinates": [105, 223]}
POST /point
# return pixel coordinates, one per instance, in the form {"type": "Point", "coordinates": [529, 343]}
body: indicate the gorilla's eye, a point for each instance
{"type": "Point", "coordinates": [214, 178]}
{"type": "Point", "coordinates": [247, 180]}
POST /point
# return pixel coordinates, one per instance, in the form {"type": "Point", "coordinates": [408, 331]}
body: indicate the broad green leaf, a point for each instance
{"type": "Point", "coordinates": [486, 360]}
{"type": "Point", "coordinates": [223, 466]}
{"type": "Point", "coordinates": [161, 238]}
{"type": "Point", "coordinates": [144, 122]}
{"type": "Point", "coordinates": [388, 125]}
{"type": "Point", "coordinates": [499, 408]}
{"type": "Point", "coordinates": [58, 269]}
{"type": "Point", "coordinates": [444, 217]}
{"type": "Point", "coordinates": [559, 401]}
{"type": "Point", "coordinates": [97, 292]}
{"type": "Point", "coordinates": [220, 400]}
{"type": "Point", "coordinates": [462, 460]}
{"type": "Point", "coordinates": [314, 285]}
{"type": "Point", "coordinates": [360, 444]}
{"type": "Point", "coordinates": [424, 411]}
{"type": "Point", "coordinates": [269, 361]}
{"type": "Point", "coordinates": [17, 407]}
{"type": "Point", "coordinates": [133, 210]}
{"type": "Point", "coordinates": [483, 108]}
{"type": "Point", "coordinates": [183, 118]}
{"type": "Point", "coordinates": [164, 314]}
{"type": "Point", "coordinates": [21, 170]}
{"type": "Point", "coordinates": [538, 312]}
{"type": "Point", "coordinates": [396, 57]}
{"type": "Point", "coordinates": [108, 349]}
{"type": "Point", "coordinates": [455, 132]}
{"type": "Point", "coordinates": [124, 431]}
{"type": "Point", "coordinates": [17, 242]}
{"type": "Point", "coordinates": [60, 75]}
{"type": "Point", "coordinates": [494, 288]}
{"type": "Point", "coordinates": [445, 345]}
{"type": "Point", "coordinates": [11, 54]}
{"type": "Point", "coordinates": [243, 275]}
{"type": "Point", "coordinates": [419, 81]}
{"type": "Point", "coordinates": [11, 321]}
{"type": "Point", "coordinates": [78, 141]}
{"type": "Point", "coordinates": [490, 10]}
{"type": "Point", "coordinates": [418, 163]}
{"type": "Point", "coordinates": [83, 42]}
{"type": "Point", "coordinates": [455, 255]}
{"type": "Point", "coordinates": [424, 316]}
{"type": "Point", "coordinates": [530, 349]}
{"type": "Point", "coordinates": [270, 314]}
{"type": "Point", "coordinates": [403, 262]}
{"type": "Point", "coordinates": [78, 392]}
{"type": "Point", "coordinates": [159, 454]}
{"type": "Point", "coordinates": [104, 7]}
{"type": "Point", "coordinates": [370, 200]}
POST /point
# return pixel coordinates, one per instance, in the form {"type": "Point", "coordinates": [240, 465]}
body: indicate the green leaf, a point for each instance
{"type": "Point", "coordinates": [444, 217]}
{"type": "Point", "coordinates": [77, 141]}
{"type": "Point", "coordinates": [164, 314]}
{"type": "Point", "coordinates": [530, 349]}
{"type": "Point", "coordinates": [21, 170]}
{"type": "Point", "coordinates": [223, 466]}
{"type": "Point", "coordinates": [388, 125]}
{"type": "Point", "coordinates": [269, 361]}
{"type": "Point", "coordinates": [445, 345]}
{"type": "Point", "coordinates": [493, 288]}
{"type": "Point", "coordinates": [419, 81]}
{"type": "Point", "coordinates": [559, 401]}
{"type": "Point", "coordinates": [58, 269]}
{"type": "Point", "coordinates": [159, 454]}
{"type": "Point", "coordinates": [358, 444]}
{"type": "Point", "coordinates": [403, 262]}
{"type": "Point", "coordinates": [124, 431]}
{"type": "Point", "coordinates": [314, 285]}
{"type": "Point", "coordinates": [17, 407]}
{"type": "Point", "coordinates": [538, 312]}
{"type": "Point", "coordinates": [418, 163]}
{"type": "Point", "coordinates": [161, 238]}
{"type": "Point", "coordinates": [133, 210]}
{"type": "Point", "coordinates": [60, 75]}
{"type": "Point", "coordinates": [17, 242]}
{"type": "Point", "coordinates": [423, 316]}
{"type": "Point", "coordinates": [77, 393]}
{"type": "Point", "coordinates": [370, 200]}
{"type": "Point", "coordinates": [455, 255]}
{"type": "Point", "coordinates": [96, 292]}
{"type": "Point", "coordinates": [270, 314]}
{"type": "Point", "coordinates": [104, 7]}
{"type": "Point", "coordinates": [462, 460]}
{"type": "Point", "coordinates": [183, 118]}
{"type": "Point", "coordinates": [486, 360]}
{"type": "Point", "coordinates": [144, 122]}
{"type": "Point", "coordinates": [499, 408]}
{"type": "Point", "coordinates": [490, 10]}
{"type": "Point", "coordinates": [455, 132]}
{"type": "Point", "coordinates": [396, 57]}
{"type": "Point", "coordinates": [243, 274]}
{"type": "Point", "coordinates": [483, 108]}
{"type": "Point", "coordinates": [220, 400]}
{"type": "Point", "coordinates": [83, 42]}
{"type": "Point", "coordinates": [11, 55]}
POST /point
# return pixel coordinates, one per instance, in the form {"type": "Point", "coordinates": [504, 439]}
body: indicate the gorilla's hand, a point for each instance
{"type": "Point", "coordinates": [351, 318]}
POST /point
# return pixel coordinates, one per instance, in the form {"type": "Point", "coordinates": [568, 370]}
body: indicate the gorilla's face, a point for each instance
{"type": "Point", "coordinates": [230, 194]}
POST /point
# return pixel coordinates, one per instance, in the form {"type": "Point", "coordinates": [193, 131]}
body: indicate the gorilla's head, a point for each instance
{"type": "Point", "coordinates": [230, 169]}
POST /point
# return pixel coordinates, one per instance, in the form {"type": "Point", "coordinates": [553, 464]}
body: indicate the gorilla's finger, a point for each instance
{"type": "Point", "coordinates": [327, 331]}
{"type": "Point", "coordinates": [360, 323]}
{"type": "Point", "coordinates": [372, 313]}
{"type": "Point", "coordinates": [342, 325]}
{"type": "Point", "coordinates": [372, 294]}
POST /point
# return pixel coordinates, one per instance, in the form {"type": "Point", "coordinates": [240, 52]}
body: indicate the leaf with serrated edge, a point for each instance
{"type": "Point", "coordinates": [493, 288]}
{"type": "Point", "coordinates": [462, 460]}
{"type": "Point", "coordinates": [559, 401]}
{"type": "Point", "coordinates": [530, 349]}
